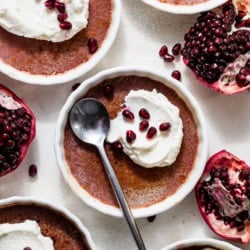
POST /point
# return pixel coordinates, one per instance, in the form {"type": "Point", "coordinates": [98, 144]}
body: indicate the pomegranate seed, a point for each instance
{"type": "Point", "coordinates": [151, 218]}
{"type": "Point", "coordinates": [92, 45]}
{"type": "Point", "coordinates": [176, 49]}
{"type": "Point", "coordinates": [128, 114]}
{"type": "Point", "coordinates": [130, 136]}
{"type": "Point", "coordinates": [27, 248]}
{"type": "Point", "coordinates": [62, 17]}
{"type": "Point", "coordinates": [65, 25]}
{"type": "Point", "coordinates": [151, 132]}
{"type": "Point", "coordinates": [163, 51]}
{"type": "Point", "coordinates": [240, 15]}
{"type": "Point", "coordinates": [117, 145]}
{"type": "Point", "coordinates": [176, 74]}
{"type": "Point", "coordinates": [143, 113]}
{"type": "Point", "coordinates": [164, 126]}
{"type": "Point", "coordinates": [168, 58]}
{"type": "Point", "coordinates": [60, 6]}
{"type": "Point", "coordinates": [75, 86]}
{"type": "Point", "coordinates": [108, 89]}
{"type": "Point", "coordinates": [50, 4]}
{"type": "Point", "coordinates": [32, 170]}
{"type": "Point", "coordinates": [143, 125]}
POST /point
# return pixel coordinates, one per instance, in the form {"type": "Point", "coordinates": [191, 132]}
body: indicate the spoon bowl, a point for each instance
{"type": "Point", "coordinates": [90, 122]}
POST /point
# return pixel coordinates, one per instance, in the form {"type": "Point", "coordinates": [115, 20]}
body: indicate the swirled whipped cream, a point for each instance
{"type": "Point", "coordinates": [32, 19]}
{"type": "Point", "coordinates": [162, 149]}
{"type": "Point", "coordinates": [21, 235]}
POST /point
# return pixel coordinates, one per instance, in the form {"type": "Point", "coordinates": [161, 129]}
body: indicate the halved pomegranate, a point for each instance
{"type": "Point", "coordinates": [17, 130]}
{"type": "Point", "coordinates": [223, 196]}
{"type": "Point", "coordinates": [217, 48]}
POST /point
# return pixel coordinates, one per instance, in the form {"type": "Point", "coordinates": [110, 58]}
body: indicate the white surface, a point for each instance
{"type": "Point", "coordinates": [143, 31]}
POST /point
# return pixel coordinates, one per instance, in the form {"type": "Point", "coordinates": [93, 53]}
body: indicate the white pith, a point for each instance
{"type": "Point", "coordinates": [8, 102]}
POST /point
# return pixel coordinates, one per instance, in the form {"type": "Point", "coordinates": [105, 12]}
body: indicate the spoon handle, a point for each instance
{"type": "Point", "coordinates": [121, 198]}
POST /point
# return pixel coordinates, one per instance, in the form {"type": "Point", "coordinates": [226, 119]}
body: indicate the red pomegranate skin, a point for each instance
{"type": "Point", "coordinates": [31, 134]}
{"type": "Point", "coordinates": [225, 195]}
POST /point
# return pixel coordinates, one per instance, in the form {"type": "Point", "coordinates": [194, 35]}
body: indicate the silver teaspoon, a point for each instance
{"type": "Point", "coordinates": [90, 122]}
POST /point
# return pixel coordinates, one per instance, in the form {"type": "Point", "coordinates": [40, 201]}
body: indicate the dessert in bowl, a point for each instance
{"type": "Point", "coordinates": [32, 223]}
{"type": "Point", "coordinates": [62, 42]}
{"type": "Point", "coordinates": [184, 6]}
{"type": "Point", "coordinates": [200, 244]}
{"type": "Point", "coordinates": [157, 165]}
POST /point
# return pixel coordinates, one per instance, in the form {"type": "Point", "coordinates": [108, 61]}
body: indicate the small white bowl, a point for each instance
{"type": "Point", "coordinates": [223, 245]}
{"type": "Point", "coordinates": [18, 200]}
{"type": "Point", "coordinates": [184, 9]}
{"type": "Point", "coordinates": [199, 164]}
{"type": "Point", "coordinates": [77, 71]}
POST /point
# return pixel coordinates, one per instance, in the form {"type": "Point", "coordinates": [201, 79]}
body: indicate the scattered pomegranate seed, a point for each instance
{"type": "Point", "coordinates": [130, 136]}
{"type": "Point", "coordinates": [32, 170]}
{"type": "Point", "coordinates": [60, 6]}
{"type": "Point", "coordinates": [50, 4]}
{"type": "Point", "coordinates": [143, 125]}
{"type": "Point", "coordinates": [164, 126]}
{"type": "Point", "coordinates": [65, 25]}
{"type": "Point", "coordinates": [168, 58]}
{"type": "Point", "coordinates": [62, 17]}
{"type": "Point", "coordinates": [143, 113]}
{"type": "Point", "coordinates": [92, 45]}
{"type": "Point", "coordinates": [240, 15]}
{"type": "Point", "coordinates": [151, 132]}
{"type": "Point", "coordinates": [176, 49]}
{"type": "Point", "coordinates": [151, 218]}
{"type": "Point", "coordinates": [117, 145]}
{"type": "Point", "coordinates": [128, 114]}
{"type": "Point", "coordinates": [27, 248]}
{"type": "Point", "coordinates": [75, 86]}
{"type": "Point", "coordinates": [176, 74]}
{"type": "Point", "coordinates": [163, 51]}
{"type": "Point", "coordinates": [108, 89]}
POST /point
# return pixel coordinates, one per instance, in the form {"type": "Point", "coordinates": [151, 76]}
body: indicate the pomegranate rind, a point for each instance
{"type": "Point", "coordinates": [219, 159]}
{"type": "Point", "coordinates": [25, 146]}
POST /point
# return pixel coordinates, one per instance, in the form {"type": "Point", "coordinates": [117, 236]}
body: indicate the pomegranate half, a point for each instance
{"type": "Point", "coordinates": [223, 196]}
{"type": "Point", "coordinates": [17, 130]}
{"type": "Point", "coordinates": [217, 47]}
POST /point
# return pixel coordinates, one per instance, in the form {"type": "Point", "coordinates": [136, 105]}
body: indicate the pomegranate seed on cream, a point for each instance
{"type": "Point", "coordinates": [149, 148]}
{"type": "Point", "coordinates": [41, 23]}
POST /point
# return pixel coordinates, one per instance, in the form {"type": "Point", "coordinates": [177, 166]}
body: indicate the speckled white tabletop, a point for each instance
{"type": "Point", "coordinates": [142, 32]}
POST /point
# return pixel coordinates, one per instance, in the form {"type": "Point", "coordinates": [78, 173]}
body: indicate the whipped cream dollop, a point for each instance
{"type": "Point", "coordinates": [32, 19]}
{"type": "Point", "coordinates": [162, 149]}
{"type": "Point", "coordinates": [21, 235]}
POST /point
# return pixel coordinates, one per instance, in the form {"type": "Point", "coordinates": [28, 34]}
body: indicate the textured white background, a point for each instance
{"type": "Point", "coordinates": [142, 32]}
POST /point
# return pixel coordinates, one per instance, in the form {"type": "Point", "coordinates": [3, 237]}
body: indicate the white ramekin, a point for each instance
{"type": "Point", "coordinates": [77, 71]}
{"type": "Point", "coordinates": [201, 242]}
{"type": "Point", "coordinates": [184, 9]}
{"type": "Point", "coordinates": [199, 164]}
{"type": "Point", "coordinates": [18, 200]}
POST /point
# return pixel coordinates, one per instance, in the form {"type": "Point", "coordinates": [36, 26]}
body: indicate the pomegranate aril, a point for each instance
{"type": "Point", "coordinates": [32, 170]}
{"type": "Point", "coordinates": [62, 17]}
{"type": "Point", "coordinates": [65, 25]}
{"type": "Point", "coordinates": [151, 218]}
{"type": "Point", "coordinates": [176, 49]}
{"type": "Point", "coordinates": [108, 89]}
{"type": "Point", "coordinates": [60, 6]}
{"type": "Point", "coordinates": [50, 4]}
{"type": "Point", "coordinates": [163, 51]}
{"type": "Point", "coordinates": [143, 113]}
{"type": "Point", "coordinates": [117, 145]}
{"type": "Point", "coordinates": [168, 58]}
{"type": "Point", "coordinates": [151, 132]}
{"type": "Point", "coordinates": [130, 136]}
{"type": "Point", "coordinates": [92, 45]}
{"type": "Point", "coordinates": [164, 126]}
{"type": "Point", "coordinates": [75, 86]}
{"type": "Point", "coordinates": [176, 74]}
{"type": "Point", "coordinates": [143, 125]}
{"type": "Point", "coordinates": [128, 114]}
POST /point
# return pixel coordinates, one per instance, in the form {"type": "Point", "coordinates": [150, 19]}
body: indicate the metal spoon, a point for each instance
{"type": "Point", "coordinates": [90, 122]}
